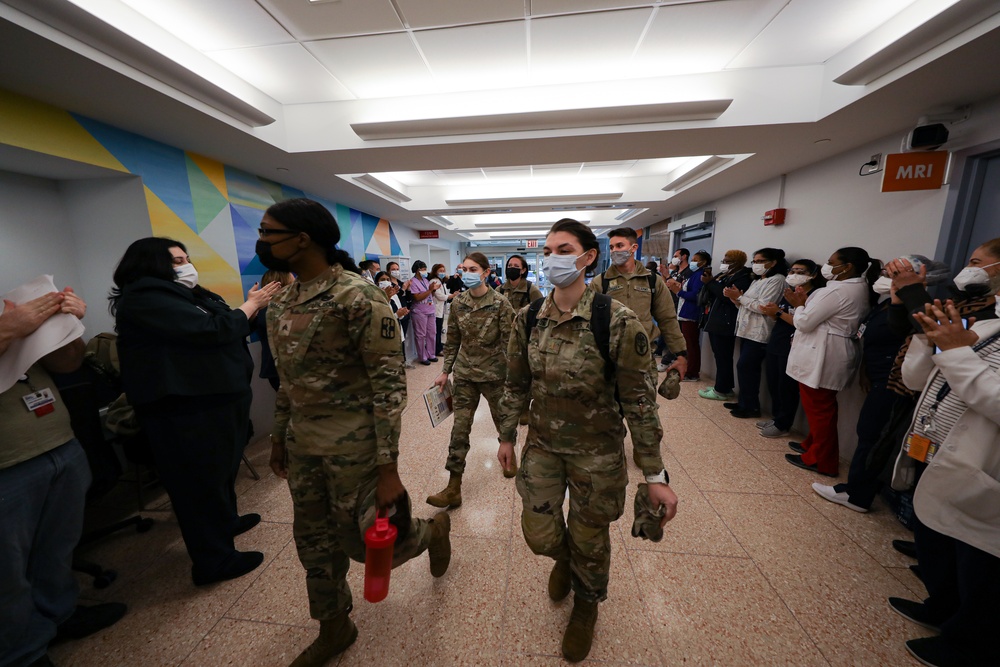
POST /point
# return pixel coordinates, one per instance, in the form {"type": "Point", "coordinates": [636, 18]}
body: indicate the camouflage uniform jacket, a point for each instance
{"type": "Point", "coordinates": [524, 294]}
{"type": "Point", "coordinates": [633, 291]}
{"type": "Point", "coordinates": [335, 342]}
{"type": "Point", "coordinates": [573, 409]}
{"type": "Point", "coordinates": [478, 330]}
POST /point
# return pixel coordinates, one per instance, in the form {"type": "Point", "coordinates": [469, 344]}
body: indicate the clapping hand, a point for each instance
{"type": "Point", "coordinates": [944, 327]}
{"type": "Point", "coordinates": [769, 309]}
{"type": "Point", "coordinates": [796, 297]}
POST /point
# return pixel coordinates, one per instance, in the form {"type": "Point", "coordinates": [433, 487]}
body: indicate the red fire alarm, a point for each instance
{"type": "Point", "coordinates": [774, 217]}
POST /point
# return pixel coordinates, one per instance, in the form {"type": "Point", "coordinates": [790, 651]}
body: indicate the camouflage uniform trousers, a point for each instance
{"type": "Point", "coordinates": [334, 502]}
{"type": "Point", "coordinates": [596, 498]}
{"type": "Point", "coordinates": [465, 401]}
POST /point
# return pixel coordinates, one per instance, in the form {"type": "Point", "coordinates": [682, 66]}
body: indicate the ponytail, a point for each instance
{"type": "Point", "coordinates": [337, 256]}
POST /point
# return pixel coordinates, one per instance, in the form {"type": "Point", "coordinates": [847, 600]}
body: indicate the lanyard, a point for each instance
{"type": "Point", "coordinates": [946, 388]}
{"type": "Point", "coordinates": [27, 380]}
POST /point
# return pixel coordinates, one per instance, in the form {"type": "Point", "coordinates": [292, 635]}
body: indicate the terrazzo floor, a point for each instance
{"type": "Point", "coordinates": [755, 570]}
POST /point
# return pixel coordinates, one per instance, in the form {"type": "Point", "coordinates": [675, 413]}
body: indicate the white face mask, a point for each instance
{"type": "Point", "coordinates": [827, 272]}
{"type": "Point", "coordinates": [395, 274]}
{"type": "Point", "coordinates": [187, 275]}
{"type": "Point", "coordinates": [977, 278]}
{"type": "Point", "coordinates": [796, 279]}
{"type": "Point", "coordinates": [676, 261]}
{"type": "Point", "coordinates": [723, 267]}
{"type": "Point", "coordinates": [561, 269]}
{"type": "Point", "coordinates": [384, 284]}
{"type": "Point", "coordinates": [759, 268]}
{"type": "Point", "coordinates": [883, 285]}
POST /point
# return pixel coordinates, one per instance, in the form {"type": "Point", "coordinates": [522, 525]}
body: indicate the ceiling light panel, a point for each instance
{"type": "Point", "coordinates": [585, 47]}
{"type": "Point", "coordinates": [216, 25]}
{"type": "Point", "coordinates": [690, 39]}
{"type": "Point", "coordinates": [812, 31]}
{"type": "Point", "coordinates": [267, 68]}
{"type": "Point", "coordinates": [543, 7]}
{"type": "Point", "coordinates": [375, 66]}
{"type": "Point", "coordinates": [476, 57]}
{"type": "Point", "coordinates": [424, 14]}
{"type": "Point", "coordinates": [323, 20]}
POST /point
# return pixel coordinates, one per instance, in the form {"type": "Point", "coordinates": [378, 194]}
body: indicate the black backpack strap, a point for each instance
{"type": "Point", "coordinates": [652, 287]}
{"type": "Point", "coordinates": [604, 283]}
{"type": "Point", "coordinates": [600, 326]}
{"type": "Point", "coordinates": [532, 320]}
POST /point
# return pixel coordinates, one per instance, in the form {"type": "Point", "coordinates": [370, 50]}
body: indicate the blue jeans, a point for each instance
{"type": "Point", "coordinates": [41, 519]}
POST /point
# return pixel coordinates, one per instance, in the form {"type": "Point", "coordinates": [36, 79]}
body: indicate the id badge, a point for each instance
{"type": "Point", "coordinates": [919, 447]}
{"type": "Point", "coordinates": [41, 402]}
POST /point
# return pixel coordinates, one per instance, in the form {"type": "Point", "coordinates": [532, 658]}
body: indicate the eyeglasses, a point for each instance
{"type": "Point", "coordinates": [264, 233]}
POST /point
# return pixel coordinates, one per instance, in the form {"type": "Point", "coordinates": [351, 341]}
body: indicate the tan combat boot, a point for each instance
{"type": "Point", "coordinates": [512, 470]}
{"type": "Point", "coordinates": [439, 550]}
{"type": "Point", "coordinates": [451, 496]}
{"type": "Point", "coordinates": [559, 580]}
{"type": "Point", "coordinates": [334, 637]}
{"type": "Point", "coordinates": [580, 631]}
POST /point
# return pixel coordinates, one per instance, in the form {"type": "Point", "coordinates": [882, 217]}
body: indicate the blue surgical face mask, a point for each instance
{"type": "Point", "coordinates": [472, 280]}
{"type": "Point", "coordinates": [441, 275]}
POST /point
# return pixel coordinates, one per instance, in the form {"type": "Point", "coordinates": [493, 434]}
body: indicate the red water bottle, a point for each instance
{"type": "Point", "coordinates": [379, 540]}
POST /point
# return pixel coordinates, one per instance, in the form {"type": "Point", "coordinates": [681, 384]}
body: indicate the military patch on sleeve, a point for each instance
{"type": "Point", "coordinates": [388, 327]}
{"type": "Point", "coordinates": [641, 344]}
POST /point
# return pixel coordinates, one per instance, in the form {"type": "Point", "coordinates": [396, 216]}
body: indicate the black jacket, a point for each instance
{"type": "Point", "coordinates": [722, 312]}
{"type": "Point", "coordinates": [175, 341]}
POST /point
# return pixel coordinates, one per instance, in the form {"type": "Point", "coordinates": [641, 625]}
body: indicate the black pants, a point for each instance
{"type": "Point", "coordinates": [438, 346]}
{"type": "Point", "coordinates": [963, 586]}
{"type": "Point", "coordinates": [748, 368]}
{"type": "Point", "coordinates": [722, 349]}
{"type": "Point", "coordinates": [862, 480]}
{"type": "Point", "coordinates": [197, 444]}
{"type": "Point", "coordinates": [784, 390]}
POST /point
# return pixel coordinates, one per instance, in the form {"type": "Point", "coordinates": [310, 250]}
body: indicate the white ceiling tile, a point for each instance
{"type": "Point", "coordinates": [375, 66]}
{"type": "Point", "coordinates": [322, 20]}
{"type": "Point", "coordinates": [268, 68]}
{"type": "Point", "coordinates": [216, 25]}
{"type": "Point", "coordinates": [688, 39]}
{"type": "Point", "coordinates": [475, 57]}
{"type": "Point", "coordinates": [811, 31]}
{"type": "Point", "coordinates": [545, 7]}
{"type": "Point", "coordinates": [423, 14]}
{"type": "Point", "coordinates": [585, 47]}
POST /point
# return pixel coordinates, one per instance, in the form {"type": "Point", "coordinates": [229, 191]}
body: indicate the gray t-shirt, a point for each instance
{"type": "Point", "coordinates": [23, 435]}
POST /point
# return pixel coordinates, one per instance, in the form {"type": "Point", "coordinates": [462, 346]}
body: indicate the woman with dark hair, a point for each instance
{"type": "Point", "coordinates": [337, 418]}
{"type": "Point", "coordinates": [753, 327]}
{"type": "Point", "coordinates": [720, 322]}
{"type": "Point", "coordinates": [476, 351]}
{"type": "Point", "coordinates": [517, 288]}
{"type": "Point", "coordinates": [784, 391]}
{"type": "Point", "coordinates": [186, 370]}
{"type": "Point", "coordinates": [440, 295]}
{"type": "Point", "coordinates": [422, 312]}
{"type": "Point", "coordinates": [575, 433]}
{"type": "Point", "coordinates": [826, 351]}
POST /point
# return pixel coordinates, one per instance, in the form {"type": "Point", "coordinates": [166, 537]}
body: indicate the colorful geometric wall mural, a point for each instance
{"type": "Point", "coordinates": [212, 208]}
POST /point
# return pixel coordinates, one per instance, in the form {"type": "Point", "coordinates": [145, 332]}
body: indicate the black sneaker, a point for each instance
{"type": "Point", "coordinates": [796, 447]}
{"type": "Point", "coordinates": [731, 406]}
{"type": "Point", "coordinates": [245, 523]}
{"type": "Point", "coordinates": [86, 621]}
{"type": "Point", "coordinates": [741, 413]}
{"type": "Point", "coordinates": [915, 612]}
{"type": "Point", "coordinates": [938, 652]}
{"type": "Point", "coordinates": [905, 547]}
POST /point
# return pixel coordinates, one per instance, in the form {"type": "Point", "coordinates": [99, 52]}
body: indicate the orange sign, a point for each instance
{"type": "Point", "coordinates": [914, 171]}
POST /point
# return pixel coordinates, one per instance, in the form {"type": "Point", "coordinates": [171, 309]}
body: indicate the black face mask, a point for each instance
{"type": "Point", "coordinates": [512, 273]}
{"type": "Point", "coordinates": [267, 258]}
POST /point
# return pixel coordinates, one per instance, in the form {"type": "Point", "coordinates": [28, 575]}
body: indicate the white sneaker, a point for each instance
{"type": "Point", "coordinates": [772, 431]}
{"type": "Point", "coordinates": [765, 423]}
{"type": "Point", "coordinates": [828, 493]}
{"type": "Point", "coordinates": [662, 367]}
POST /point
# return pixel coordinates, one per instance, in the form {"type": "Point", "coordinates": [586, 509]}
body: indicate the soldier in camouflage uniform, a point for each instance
{"type": "Point", "coordinates": [476, 351]}
{"type": "Point", "coordinates": [628, 281]}
{"type": "Point", "coordinates": [335, 342]}
{"type": "Point", "coordinates": [517, 288]}
{"type": "Point", "coordinates": [575, 433]}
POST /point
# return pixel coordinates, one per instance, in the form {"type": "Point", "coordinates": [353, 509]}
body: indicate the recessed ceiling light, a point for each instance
{"type": "Point", "coordinates": [822, 141]}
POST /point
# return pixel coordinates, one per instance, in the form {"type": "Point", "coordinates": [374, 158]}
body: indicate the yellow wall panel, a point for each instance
{"type": "Point", "coordinates": [214, 170]}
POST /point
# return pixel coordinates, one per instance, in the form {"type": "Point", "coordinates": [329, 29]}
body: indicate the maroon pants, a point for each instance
{"type": "Point", "coordinates": [822, 444]}
{"type": "Point", "coordinates": [691, 336]}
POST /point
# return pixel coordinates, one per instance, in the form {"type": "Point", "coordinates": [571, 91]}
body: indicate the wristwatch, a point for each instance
{"type": "Point", "coordinates": [682, 353]}
{"type": "Point", "coordinates": [660, 478]}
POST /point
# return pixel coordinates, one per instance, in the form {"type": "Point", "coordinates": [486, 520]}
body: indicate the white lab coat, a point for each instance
{"type": "Point", "coordinates": [825, 353]}
{"type": "Point", "coordinates": [959, 492]}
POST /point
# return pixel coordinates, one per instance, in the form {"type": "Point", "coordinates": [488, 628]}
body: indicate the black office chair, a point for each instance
{"type": "Point", "coordinates": [84, 393]}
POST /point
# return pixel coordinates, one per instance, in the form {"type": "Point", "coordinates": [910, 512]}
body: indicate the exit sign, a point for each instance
{"type": "Point", "coordinates": [428, 233]}
{"type": "Point", "coordinates": [914, 171]}
{"type": "Point", "coordinates": [533, 243]}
